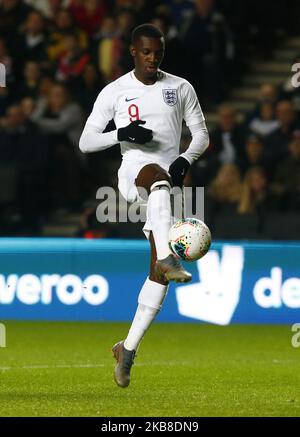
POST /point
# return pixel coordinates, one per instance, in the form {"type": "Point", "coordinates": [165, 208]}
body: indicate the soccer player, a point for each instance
{"type": "Point", "coordinates": [148, 106]}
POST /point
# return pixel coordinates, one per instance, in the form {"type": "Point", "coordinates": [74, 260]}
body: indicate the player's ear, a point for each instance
{"type": "Point", "coordinates": [132, 50]}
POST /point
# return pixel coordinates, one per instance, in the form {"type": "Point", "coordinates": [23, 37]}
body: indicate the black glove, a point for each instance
{"type": "Point", "coordinates": [178, 169]}
{"type": "Point", "coordinates": [133, 133]}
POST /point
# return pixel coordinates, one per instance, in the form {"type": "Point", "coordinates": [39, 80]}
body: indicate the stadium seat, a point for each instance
{"type": "Point", "coordinates": [8, 178]}
{"type": "Point", "coordinates": [236, 227]}
{"type": "Point", "coordinates": [282, 226]}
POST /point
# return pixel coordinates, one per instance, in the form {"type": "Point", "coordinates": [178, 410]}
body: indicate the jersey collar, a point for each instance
{"type": "Point", "coordinates": [160, 75]}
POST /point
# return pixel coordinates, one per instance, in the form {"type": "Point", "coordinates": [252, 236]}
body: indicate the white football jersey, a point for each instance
{"type": "Point", "coordinates": [163, 105]}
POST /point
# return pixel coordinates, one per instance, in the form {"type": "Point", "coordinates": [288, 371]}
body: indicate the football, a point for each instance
{"type": "Point", "coordinates": [189, 239]}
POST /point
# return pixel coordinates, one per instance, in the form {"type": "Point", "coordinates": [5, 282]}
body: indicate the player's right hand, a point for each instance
{"type": "Point", "coordinates": [134, 133]}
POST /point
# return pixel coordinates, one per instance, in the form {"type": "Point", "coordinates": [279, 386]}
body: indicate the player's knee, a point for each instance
{"type": "Point", "coordinates": [161, 180]}
{"type": "Point", "coordinates": [152, 174]}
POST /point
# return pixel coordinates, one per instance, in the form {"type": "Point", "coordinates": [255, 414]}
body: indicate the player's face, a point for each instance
{"type": "Point", "coordinates": [148, 54]}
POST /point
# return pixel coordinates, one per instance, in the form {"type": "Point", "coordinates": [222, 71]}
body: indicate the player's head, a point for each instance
{"type": "Point", "coordinates": [147, 49]}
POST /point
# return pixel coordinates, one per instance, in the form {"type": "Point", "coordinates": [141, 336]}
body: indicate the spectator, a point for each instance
{"type": "Point", "coordinates": [112, 41]}
{"type": "Point", "coordinates": [109, 50]}
{"type": "Point", "coordinates": [287, 177]}
{"type": "Point", "coordinates": [87, 88]}
{"type": "Point", "coordinates": [224, 191]}
{"type": "Point", "coordinates": [107, 29]}
{"type": "Point", "coordinates": [88, 14]}
{"type": "Point", "coordinates": [61, 120]}
{"type": "Point", "coordinates": [229, 137]}
{"type": "Point", "coordinates": [46, 84]}
{"type": "Point", "coordinates": [60, 116]}
{"type": "Point", "coordinates": [38, 105]}
{"type": "Point", "coordinates": [205, 39]}
{"type": "Point", "coordinates": [12, 15]}
{"type": "Point", "coordinates": [254, 155]}
{"type": "Point", "coordinates": [32, 43]}
{"type": "Point", "coordinates": [226, 146]}
{"type": "Point", "coordinates": [5, 100]}
{"type": "Point", "coordinates": [267, 93]}
{"type": "Point", "coordinates": [64, 25]}
{"type": "Point", "coordinates": [265, 123]}
{"type": "Point", "coordinates": [172, 62]}
{"type": "Point", "coordinates": [277, 142]}
{"type": "Point", "coordinates": [23, 146]}
{"type": "Point", "coordinates": [29, 86]}
{"type": "Point", "coordinates": [179, 11]}
{"type": "Point", "coordinates": [27, 105]}
{"type": "Point", "coordinates": [49, 8]}
{"type": "Point", "coordinates": [125, 25]}
{"type": "Point", "coordinates": [72, 61]}
{"type": "Point", "coordinates": [256, 195]}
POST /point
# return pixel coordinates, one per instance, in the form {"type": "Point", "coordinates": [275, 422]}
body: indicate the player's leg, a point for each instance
{"type": "Point", "coordinates": [157, 182]}
{"type": "Point", "coordinates": [150, 301]}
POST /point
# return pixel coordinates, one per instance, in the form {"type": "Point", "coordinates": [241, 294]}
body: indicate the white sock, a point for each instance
{"type": "Point", "coordinates": [150, 301]}
{"type": "Point", "coordinates": [159, 213]}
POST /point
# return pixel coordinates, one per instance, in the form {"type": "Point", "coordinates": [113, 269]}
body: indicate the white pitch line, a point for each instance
{"type": "Point", "coordinates": [58, 366]}
{"type": "Point", "coordinates": [88, 366]}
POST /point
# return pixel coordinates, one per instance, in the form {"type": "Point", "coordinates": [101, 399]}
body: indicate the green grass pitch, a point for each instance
{"type": "Point", "coordinates": [194, 370]}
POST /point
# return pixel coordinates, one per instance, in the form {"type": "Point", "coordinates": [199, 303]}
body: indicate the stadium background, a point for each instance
{"type": "Point", "coordinates": [238, 55]}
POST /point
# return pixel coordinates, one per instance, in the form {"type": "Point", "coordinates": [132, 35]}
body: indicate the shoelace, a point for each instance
{"type": "Point", "coordinates": [129, 361]}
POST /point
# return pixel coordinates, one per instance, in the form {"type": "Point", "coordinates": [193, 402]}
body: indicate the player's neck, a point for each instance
{"type": "Point", "coordinates": [144, 79]}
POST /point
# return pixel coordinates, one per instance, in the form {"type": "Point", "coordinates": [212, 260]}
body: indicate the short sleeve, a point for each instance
{"type": "Point", "coordinates": [192, 112]}
{"type": "Point", "coordinates": [103, 109]}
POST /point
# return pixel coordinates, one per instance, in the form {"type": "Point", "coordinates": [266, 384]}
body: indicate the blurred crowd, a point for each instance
{"type": "Point", "coordinates": [253, 166]}
{"type": "Point", "coordinates": [59, 54]}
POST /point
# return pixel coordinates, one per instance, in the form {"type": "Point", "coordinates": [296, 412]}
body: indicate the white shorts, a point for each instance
{"type": "Point", "coordinates": [127, 175]}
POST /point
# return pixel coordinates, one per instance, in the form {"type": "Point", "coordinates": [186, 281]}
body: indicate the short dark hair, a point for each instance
{"type": "Point", "coordinates": [148, 30]}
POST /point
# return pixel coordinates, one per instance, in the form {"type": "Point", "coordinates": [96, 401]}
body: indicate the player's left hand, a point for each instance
{"type": "Point", "coordinates": [178, 169]}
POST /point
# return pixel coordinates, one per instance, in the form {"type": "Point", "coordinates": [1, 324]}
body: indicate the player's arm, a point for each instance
{"type": "Point", "coordinates": [93, 139]}
{"type": "Point", "coordinates": [200, 139]}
